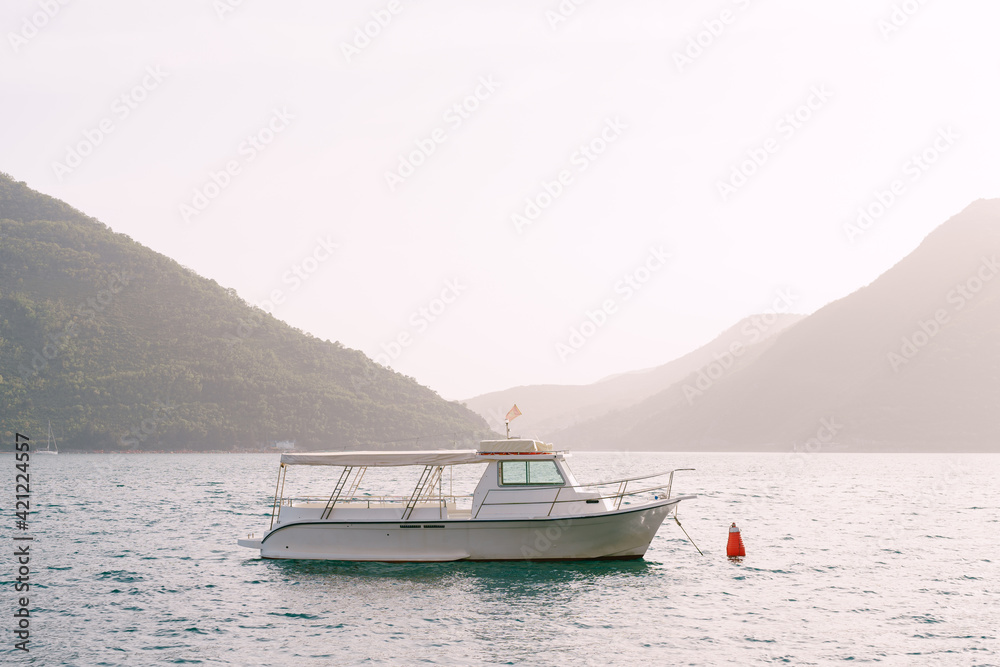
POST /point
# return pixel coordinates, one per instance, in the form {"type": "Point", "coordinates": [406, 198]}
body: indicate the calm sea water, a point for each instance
{"type": "Point", "coordinates": [887, 559]}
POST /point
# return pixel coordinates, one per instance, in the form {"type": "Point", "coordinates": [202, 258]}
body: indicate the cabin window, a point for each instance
{"type": "Point", "coordinates": [530, 472]}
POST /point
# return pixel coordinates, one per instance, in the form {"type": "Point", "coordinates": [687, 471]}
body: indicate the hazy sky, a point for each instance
{"type": "Point", "coordinates": [476, 177]}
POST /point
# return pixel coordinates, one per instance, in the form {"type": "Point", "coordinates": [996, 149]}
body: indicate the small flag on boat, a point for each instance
{"type": "Point", "coordinates": [514, 412]}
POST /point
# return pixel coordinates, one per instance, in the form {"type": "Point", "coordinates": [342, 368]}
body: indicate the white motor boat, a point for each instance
{"type": "Point", "coordinates": [527, 506]}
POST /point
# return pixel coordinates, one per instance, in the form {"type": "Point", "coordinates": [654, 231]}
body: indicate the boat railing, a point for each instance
{"type": "Point", "coordinates": [614, 491]}
{"type": "Point", "coordinates": [368, 501]}
{"type": "Point", "coordinates": [616, 498]}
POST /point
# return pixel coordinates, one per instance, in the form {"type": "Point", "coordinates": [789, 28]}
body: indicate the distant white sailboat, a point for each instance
{"type": "Point", "coordinates": [50, 446]}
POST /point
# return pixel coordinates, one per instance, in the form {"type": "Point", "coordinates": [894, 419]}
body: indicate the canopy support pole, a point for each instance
{"type": "Point", "coordinates": [345, 475]}
{"type": "Point", "coordinates": [282, 470]}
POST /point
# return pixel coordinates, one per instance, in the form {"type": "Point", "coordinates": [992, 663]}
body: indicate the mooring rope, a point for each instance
{"type": "Point", "coordinates": [686, 534]}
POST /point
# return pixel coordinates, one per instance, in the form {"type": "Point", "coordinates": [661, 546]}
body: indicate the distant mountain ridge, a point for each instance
{"type": "Point", "coordinates": [909, 363]}
{"type": "Point", "coordinates": [121, 347]}
{"type": "Point", "coordinates": [549, 409]}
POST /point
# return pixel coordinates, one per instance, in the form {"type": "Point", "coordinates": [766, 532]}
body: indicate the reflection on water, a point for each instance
{"type": "Point", "coordinates": [511, 575]}
{"type": "Point", "coordinates": [510, 611]}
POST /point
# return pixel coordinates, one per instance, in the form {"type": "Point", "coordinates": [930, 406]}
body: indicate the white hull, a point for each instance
{"type": "Point", "coordinates": [621, 534]}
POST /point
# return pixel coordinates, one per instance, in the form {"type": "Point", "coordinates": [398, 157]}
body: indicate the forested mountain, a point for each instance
{"type": "Point", "coordinates": [123, 348]}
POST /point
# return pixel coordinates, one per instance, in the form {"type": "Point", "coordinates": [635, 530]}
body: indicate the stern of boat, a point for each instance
{"type": "Point", "coordinates": [250, 542]}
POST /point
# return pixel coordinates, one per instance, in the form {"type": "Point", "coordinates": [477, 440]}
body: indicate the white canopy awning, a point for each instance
{"type": "Point", "coordinates": [427, 457]}
{"type": "Point", "coordinates": [430, 457]}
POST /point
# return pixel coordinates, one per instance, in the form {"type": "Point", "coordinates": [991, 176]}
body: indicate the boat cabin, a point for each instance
{"type": "Point", "coordinates": [522, 479]}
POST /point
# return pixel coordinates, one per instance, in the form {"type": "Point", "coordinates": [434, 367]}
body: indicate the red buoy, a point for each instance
{"type": "Point", "coordinates": [735, 547]}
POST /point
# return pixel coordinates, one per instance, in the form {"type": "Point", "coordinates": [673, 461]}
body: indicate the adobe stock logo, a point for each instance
{"type": "Point", "coordinates": [296, 276]}
{"type": "Point", "coordinates": [364, 34]}
{"type": "Point", "coordinates": [550, 191]}
{"type": "Point", "coordinates": [627, 287]}
{"type": "Point", "coordinates": [147, 427]}
{"type": "Point", "coordinates": [914, 168]}
{"type": "Point", "coordinates": [712, 30]}
{"type": "Point", "coordinates": [752, 332]}
{"type": "Point", "coordinates": [959, 297]}
{"type": "Point", "coordinates": [899, 17]}
{"type": "Point", "coordinates": [562, 12]}
{"type": "Point", "coordinates": [248, 150]}
{"type": "Point", "coordinates": [86, 311]}
{"type": "Point", "coordinates": [121, 108]}
{"type": "Point", "coordinates": [419, 322]}
{"type": "Point", "coordinates": [30, 26]}
{"type": "Point", "coordinates": [787, 127]}
{"type": "Point", "coordinates": [225, 7]}
{"type": "Point", "coordinates": [454, 116]}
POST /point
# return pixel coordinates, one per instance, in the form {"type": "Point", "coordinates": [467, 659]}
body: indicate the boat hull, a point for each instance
{"type": "Point", "coordinates": [622, 534]}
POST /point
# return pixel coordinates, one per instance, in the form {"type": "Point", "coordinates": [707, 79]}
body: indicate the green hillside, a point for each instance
{"type": "Point", "coordinates": [123, 348]}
